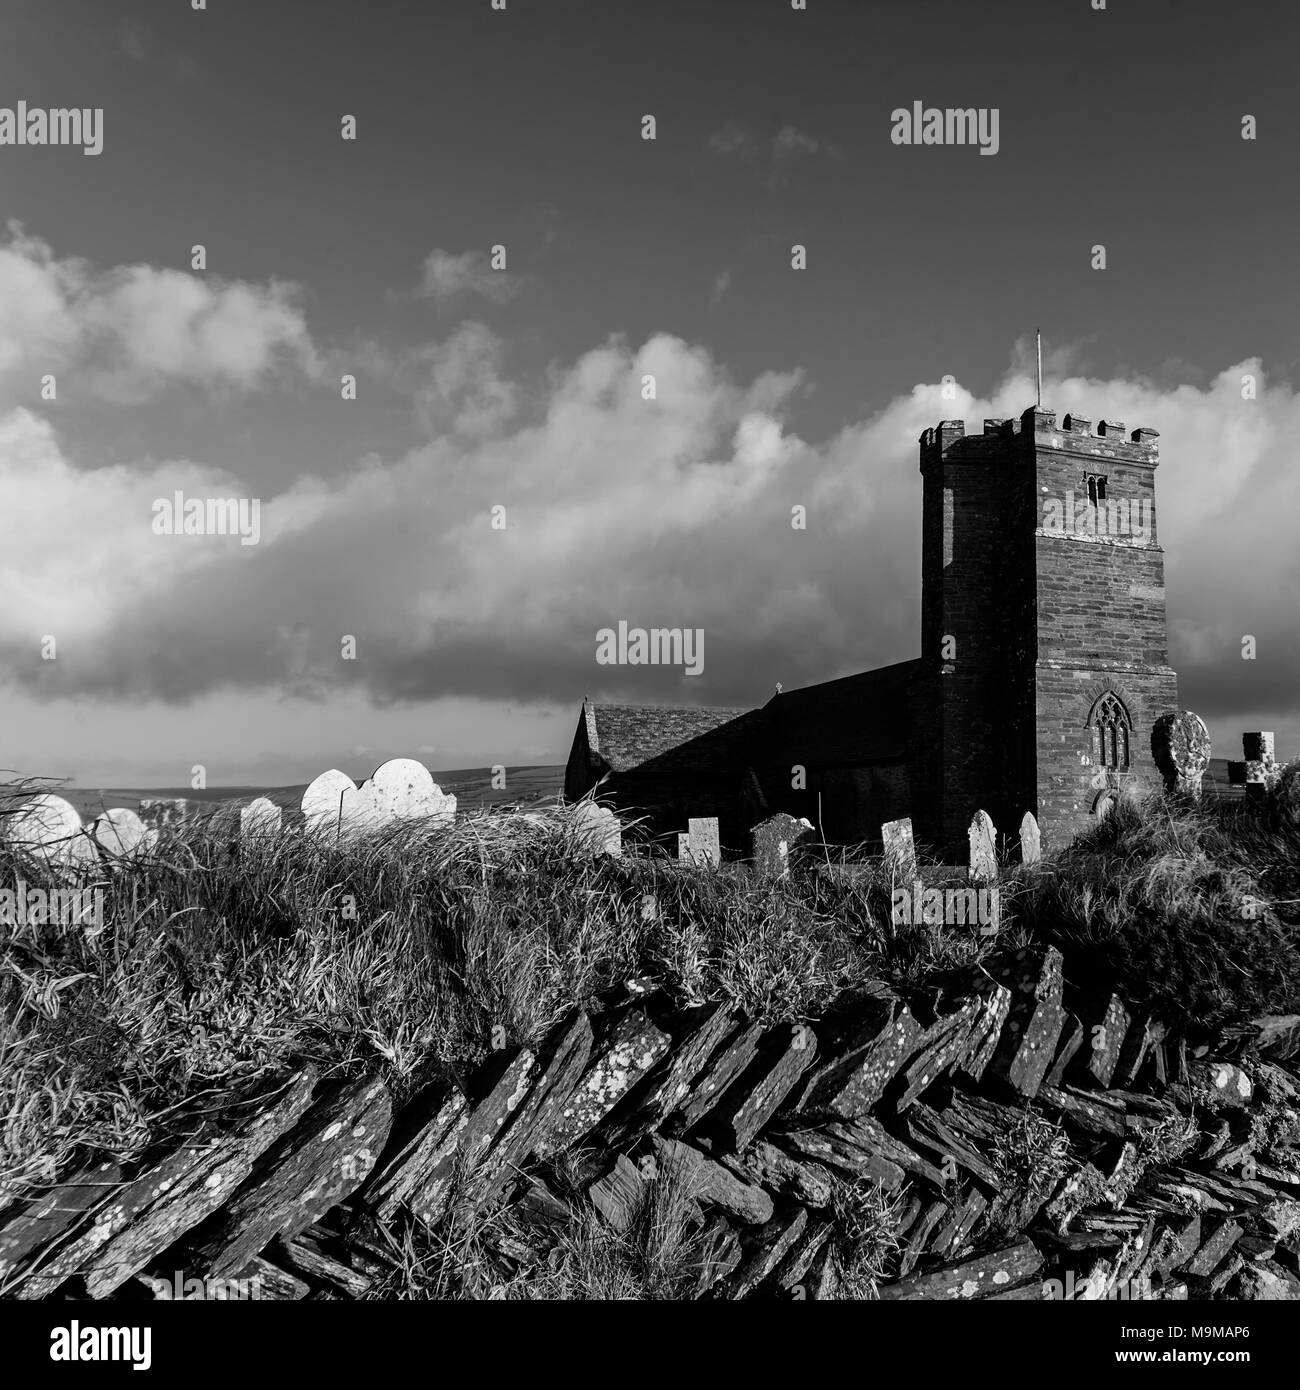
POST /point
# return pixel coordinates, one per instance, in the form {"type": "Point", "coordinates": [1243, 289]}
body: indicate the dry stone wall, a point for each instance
{"type": "Point", "coordinates": [1155, 1173]}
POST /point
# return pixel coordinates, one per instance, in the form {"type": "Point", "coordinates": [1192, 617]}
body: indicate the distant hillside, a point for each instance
{"type": "Point", "coordinates": [471, 786]}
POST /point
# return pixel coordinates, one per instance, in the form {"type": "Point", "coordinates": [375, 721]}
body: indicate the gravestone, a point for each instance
{"type": "Point", "coordinates": [683, 847]}
{"type": "Point", "coordinates": [45, 825]}
{"type": "Point", "coordinates": [773, 839]}
{"type": "Point", "coordinates": [330, 804]}
{"type": "Point", "coordinates": [900, 849]}
{"type": "Point", "coordinates": [1262, 770]}
{"type": "Point", "coordinates": [705, 848]}
{"type": "Point", "coordinates": [80, 853]}
{"type": "Point", "coordinates": [118, 832]}
{"type": "Point", "coordinates": [401, 790]}
{"type": "Point", "coordinates": [983, 848]}
{"type": "Point", "coordinates": [1180, 745]}
{"type": "Point", "coordinates": [259, 820]}
{"type": "Point", "coordinates": [596, 830]}
{"type": "Point", "coordinates": [166, 812]}
{"type": "Point", "coordinates": [1031, 841]}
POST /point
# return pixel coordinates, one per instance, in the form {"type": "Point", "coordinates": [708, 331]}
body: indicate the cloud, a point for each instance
{"type": "Point", "coordinates": [733, 140]}
{"type": "Point", "coordinates": [129, 331]}
{"type": "Point", "coordinates": [464, 392]}
{"type": "Point", "coordinates": [792, 143]}
{"type": "Point", "coordinates": [674, 511]}
{"type": "Point", "coordinates": [721, 284]}
{"type": "Point", "coordinates": [446, 276]}
{"type": "Point", "coordinates": [787, 146]}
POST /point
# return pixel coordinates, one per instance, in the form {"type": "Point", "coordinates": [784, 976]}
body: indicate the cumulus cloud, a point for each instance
{"type": "Point", "coordinates": [130, 330]}
{"type": "Point", "coordinates": [672, 511]}
{"type": "Point", "coordinates": [447, 276]}
{"type": "Point", "coordinates": [462, 390]}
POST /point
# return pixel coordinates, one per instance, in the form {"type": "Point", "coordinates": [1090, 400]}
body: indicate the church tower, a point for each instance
{"type": "Point", "coordinates": [1043, 645]}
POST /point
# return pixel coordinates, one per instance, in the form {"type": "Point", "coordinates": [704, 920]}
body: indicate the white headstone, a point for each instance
{"type": "Point", "coordinates": [259, 820]}
{"type": "Point", "coordinates": [983, 848]}
{"type": "Point", "coordinates": [80, 852]}
{"type": "Point", "coordinates": [1031, 842]}
{"type": "Point", "coordinates": [683, 847]}
{"type": "Point", "coordinates": [403, 789]}
{"type": "Point", "coordinates": [44, 823]}
{"type": "Point", "coordinates": [330, 804]}
{"type": "Point", "coordinates": [118, 831]}
{"type": "Point", "coordinates": [597, 829]}
{"type": "Point", "coordinates": [706, 851]}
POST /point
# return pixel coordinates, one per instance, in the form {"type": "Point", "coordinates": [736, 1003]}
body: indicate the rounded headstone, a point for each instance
{"type": "Point", "coordinates": [81, 853]}
{"type": "Point", "coordinates": [1180, 745]}
{"type": "Point", "coordinates": [329, 804]}
{"type": "Point", "coordinates": [118, 831]}
{"type": "Point", "coordinates": [43, 823]}
{"type": "Point", "coordinates": [403, 789]}
{"type": "Point", "coordinates": [596, 829]}
{"type": "Point", "coordinates": [259, 820]}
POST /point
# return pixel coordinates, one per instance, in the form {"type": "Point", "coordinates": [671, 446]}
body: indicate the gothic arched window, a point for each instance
{"type": "Point", "coordinates": [1111, 727]}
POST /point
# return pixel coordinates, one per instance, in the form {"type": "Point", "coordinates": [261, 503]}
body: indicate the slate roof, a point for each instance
{"type": "Point", "coordinates": [628, 736]}
{"type": "Point", "coordinates": [853, 720]}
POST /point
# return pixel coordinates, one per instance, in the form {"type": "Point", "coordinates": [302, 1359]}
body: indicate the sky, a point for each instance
{"type": "Point", "coordinates": [500, 489]}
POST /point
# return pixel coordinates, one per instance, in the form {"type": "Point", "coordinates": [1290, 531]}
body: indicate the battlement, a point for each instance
{"type": "Point", "coordinates": [1075, 434]}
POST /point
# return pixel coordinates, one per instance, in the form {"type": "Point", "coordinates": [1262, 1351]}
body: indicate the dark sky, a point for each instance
{"type": "Point", "coordinates": [522, 127]}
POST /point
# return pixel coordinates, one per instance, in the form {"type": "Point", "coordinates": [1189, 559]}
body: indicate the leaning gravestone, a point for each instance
{"type": "Point", "coordinates": [773, 839]}
{"type": "Point", "coordinates": [983, 848]}
{"type": "Point", "coordinates": [900, 849]}
{"type": "Point", "coordinates": [1180, 745]}
{"type": "Point", "coordinates": [1031, 841]}
{"type": "Point", "coordinates": [705, 848]}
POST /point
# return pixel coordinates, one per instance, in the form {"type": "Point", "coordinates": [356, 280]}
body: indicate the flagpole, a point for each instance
{"type": "Point", "coordinates": [1038, 334]}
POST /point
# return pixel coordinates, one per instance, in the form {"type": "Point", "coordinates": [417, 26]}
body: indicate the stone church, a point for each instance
{"type": "Point", "coordinates": [1043, 666]}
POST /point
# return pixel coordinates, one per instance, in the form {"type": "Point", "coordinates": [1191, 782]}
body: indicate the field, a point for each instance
{"type": "Point", "coordinates": [472, 788]}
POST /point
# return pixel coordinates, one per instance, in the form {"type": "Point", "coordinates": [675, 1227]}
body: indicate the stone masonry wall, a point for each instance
{"type": "Point", "coordinates": [1100, 622]}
